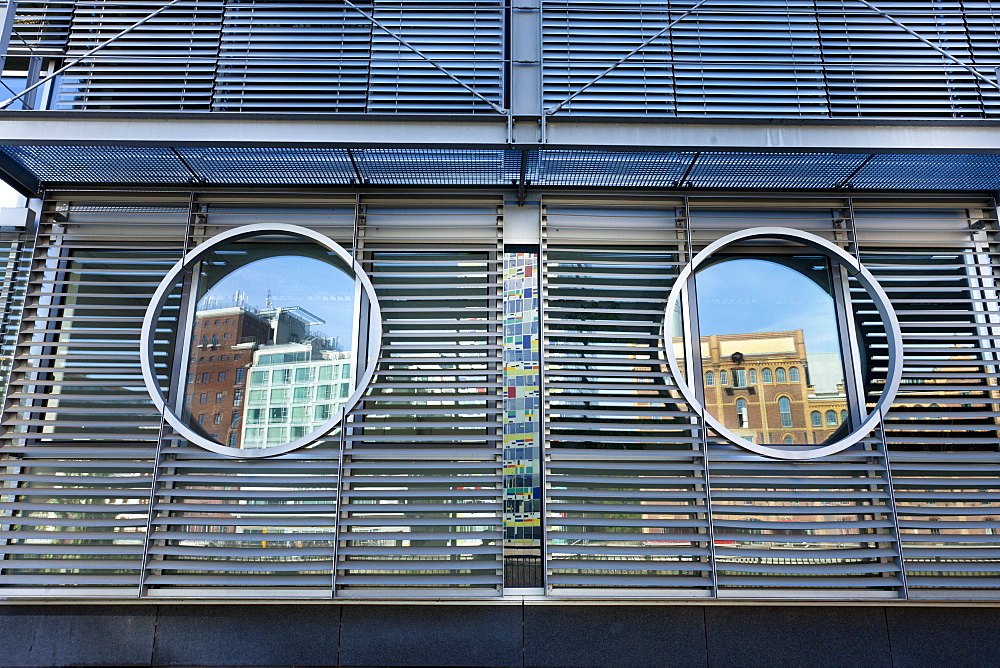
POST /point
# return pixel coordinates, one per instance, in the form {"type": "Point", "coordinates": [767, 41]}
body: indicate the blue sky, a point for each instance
{"type": "Point", "coordinates": [746, 296]}
{"type": "Point", "coordinates": [316, 286]}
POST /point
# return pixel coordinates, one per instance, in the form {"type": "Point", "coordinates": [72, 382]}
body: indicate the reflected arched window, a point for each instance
{"type": "Point", "coordinates": [779, 375]}
{"type": "Point", "coordinates": [843, 416]}
{"type": "Point", "coordinates": [723, 377]}
{"type": "Point", "coordinates": [753, 376]}
{"type": "Point", "coordinates": [709, 378]}
{"type": "Point", "coordinates": [793, 374]}
{"type": "Point", "coordinates": [789, 440]}
{"type": "Point", "coordinates": [817, 419]}
{"type": "Point", "coordinates": [785, 410]}
{"type": "Point", "coordinates": [766, 375]}
{"type": "Point", "coordinates": [831, 418]}
{"type": "Point", "coordinates": [742, 414]}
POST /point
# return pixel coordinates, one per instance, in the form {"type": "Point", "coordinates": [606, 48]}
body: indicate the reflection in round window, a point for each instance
{"type": "Point", "coordinates": [742, 316]}
{"type": "Point", "coordinates": [270, 321]}
{"type": "Point", "coordinates": [274, 335]}
{"type": "Point", "coordinates": [766, 300]}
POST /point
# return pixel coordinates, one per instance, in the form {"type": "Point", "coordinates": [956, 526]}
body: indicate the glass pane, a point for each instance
{"type": "Point", "coordinates": [772, 318]}
{"type": "Point", "coordinates": [269, 316]}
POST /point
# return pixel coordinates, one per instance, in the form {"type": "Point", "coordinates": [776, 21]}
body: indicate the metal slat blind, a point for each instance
{"type": "Point", "coordinates": [241, 527]}
{"type": "Point", "coordinates": [876, 69]}
{"type": "Point", "coordinates": [625, 486]}
{"type": "Point", "coordinates": [167, 63]}
{"type": "Point", "coordinates": [311, 56]}
{"type": "Point", "coordinates": [420, 509]}
{"type": "Point", "coordinates": [422, 481]}
{"type": "Point", "coordinates": [80, 431]}
{"type": "Point", "coordinates": [788, 529]}
{"type": "Point", "coordinates": [465, 38]}
{"type": "Point", "coordinates": [944, 429]}
{"type": "Point", "coordinates": [42, 28]}
{"type": "Point", "coordinates": [835, 58]}
{"type": "Point", "coordinates": [583, 40]}
{"type": "Point", "coordinates": [16, 247]}
{"type": "Point", "coordinates": [745, 59]}
{"type": "Point", "coordinates": [838, 527]}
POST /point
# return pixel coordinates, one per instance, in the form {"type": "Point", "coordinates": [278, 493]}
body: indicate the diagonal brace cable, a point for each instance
{"type": "Point", "coordinates": [888, 17]}
{"type": "Point", "coordinates": [375, 22]}
{"type": "Point", "coordinates": [41, 82]}
{"type": "Point", "coordinates": [556, 107]}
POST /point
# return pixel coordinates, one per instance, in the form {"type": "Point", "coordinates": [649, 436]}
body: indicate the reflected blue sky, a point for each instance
{"type": "Point", "coordinates": [318, 287]}
{"type": "Point", "coordinates": [750, 296]}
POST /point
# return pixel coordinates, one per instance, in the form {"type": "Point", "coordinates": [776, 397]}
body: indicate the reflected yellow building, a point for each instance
{"type": "Point", "coordinates": [767, 388]}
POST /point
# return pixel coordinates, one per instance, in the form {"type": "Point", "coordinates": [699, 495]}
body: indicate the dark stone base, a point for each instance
{"type": "Point", "coordinates": [288, 634]}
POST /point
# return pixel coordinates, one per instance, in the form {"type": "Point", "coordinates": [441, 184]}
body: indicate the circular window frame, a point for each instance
{"type": "Point", "coordinates": [856, 270]}
{"type": "Point", "coordinates": [169, 283]}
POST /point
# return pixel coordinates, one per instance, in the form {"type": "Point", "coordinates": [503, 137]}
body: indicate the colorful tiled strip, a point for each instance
{"type": "Point", "coordinates": [521, 427]}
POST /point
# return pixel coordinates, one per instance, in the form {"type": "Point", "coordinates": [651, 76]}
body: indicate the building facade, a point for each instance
{"type": "Point", "coordinates": [686, 309]}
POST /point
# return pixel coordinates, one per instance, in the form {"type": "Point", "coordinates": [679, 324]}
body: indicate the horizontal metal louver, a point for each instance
{"type": "Point", "coordinates": [166, 63]}
{"type": "Point", "coordinates": [420, 505]}
{"type": "Point", "coordinates": [581, 41]}
{"type": "Point", "coordinates": [422, 481]}
{"type": "Point", "coordinates": [797, 58]}
{"type": "Point", "coordinates": [42, 28]}
{"type": "Point", "coordinates": [80, 430]}
{"type": "Point", "coordinates": [943, 431]}
{"type": "Point", "coordinates": [15, 260]}
{"type": "Point", "coordinates": [840, 526]}
{"type": "Point", "coordinates": [466, 39]}
{"type": "Point", "coordinates": [100, 499]}
{"type": "Point", "coordinates": [915, 80]}
{"type": "Point", "coordinates": [311, 56]}
{"type": "Point", "coordinates": [626, 504]}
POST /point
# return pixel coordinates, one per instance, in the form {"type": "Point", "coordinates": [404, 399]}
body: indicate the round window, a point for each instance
{"type": "Point", "coordinates": [260, 340]}
{"type": "Point", "coordinates": [795, 311]}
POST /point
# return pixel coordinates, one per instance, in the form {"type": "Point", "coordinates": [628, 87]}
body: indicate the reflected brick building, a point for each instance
{"type": "Point", "coordinates": [221, 350]}
{"type": "Point", "coordinates": [767, 388]}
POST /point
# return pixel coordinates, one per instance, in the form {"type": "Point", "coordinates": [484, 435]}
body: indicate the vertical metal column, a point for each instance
{"type": "Point", "coordinates": [360, 362]}
{"type": "Point", "coordinates": [693, 356]}
{"type": "Point", "coordinates": [851, 350]}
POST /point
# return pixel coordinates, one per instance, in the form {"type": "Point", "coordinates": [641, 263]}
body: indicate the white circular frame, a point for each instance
{"type": "Point", "coordinates": [169, 282]}
{"type": "Point", "coordinates": [881, 300]}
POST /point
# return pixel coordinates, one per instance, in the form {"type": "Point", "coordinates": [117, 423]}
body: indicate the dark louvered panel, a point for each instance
{"type": "Point", "coordinates": [277, 56]}
{"type": "Point", "coordinates": [582, 40]}
{"type": "Point", "coordinates": [626, 500]}
{"type": "Point", "coordinates": [42, 28]}
{"type": "Point", "coordinates": [982, 20]}
{"type": "Point", "coordinates": [795, 58]}
{"type": "Point", "coordinates": [877, 68]}
{"type": "Point", "coordinates": [746, 59]}
{"type": "Point", "coordinates": [422, 495]}
{"type": "Point", "coordinates": [464, 38]}
{"type": "Point", "coordinates": [168, 62]}
{"type": "Point", "coordinates": [15, 261]}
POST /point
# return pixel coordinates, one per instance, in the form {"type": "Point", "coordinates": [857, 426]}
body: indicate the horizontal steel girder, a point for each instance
{"type": "Point", "coordinates": [323, 130]}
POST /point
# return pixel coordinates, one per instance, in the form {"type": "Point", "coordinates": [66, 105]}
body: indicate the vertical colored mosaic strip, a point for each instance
{"type": "Point", "coordinates": [521, 427]}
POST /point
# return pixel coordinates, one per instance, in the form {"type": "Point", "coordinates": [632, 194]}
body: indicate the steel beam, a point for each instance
{"type": "Point", "coordinates": [66, 128]}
